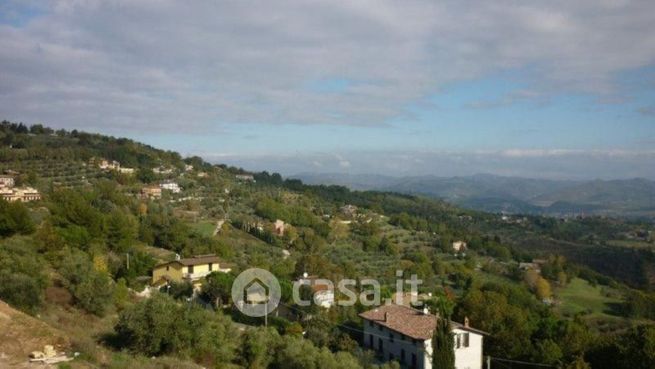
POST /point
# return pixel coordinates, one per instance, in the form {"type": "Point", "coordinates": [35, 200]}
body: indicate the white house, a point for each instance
{"type": "Point", "coordinates": [459, 246]}
{"type": "Point", "coordinates": [404, 334]}
{"type": "Point", "coordinates": [6, 181]}
{"type": "Point", "coordinates": [171, 186]}
{"type": "Point", "coordinates": [245, 177]}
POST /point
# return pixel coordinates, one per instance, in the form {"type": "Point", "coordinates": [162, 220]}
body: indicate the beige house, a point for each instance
{"type": "Point", "coordinates": [151, 192]}
{"type": "Point", "coordinates": [278, 227]}
{"type": "Point", "coordinates": [192, 270]}
{"type": "Point", "coordinates": [24, 194]}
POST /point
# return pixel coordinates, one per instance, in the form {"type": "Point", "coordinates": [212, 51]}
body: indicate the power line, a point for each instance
{"type": "Point", "coordinates": [521, 362]}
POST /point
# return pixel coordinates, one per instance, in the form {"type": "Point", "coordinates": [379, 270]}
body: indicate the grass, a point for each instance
{"type": "Point", "coordinates": [581, 297]}
{"type": "Point", "coordinates": [205, 228]}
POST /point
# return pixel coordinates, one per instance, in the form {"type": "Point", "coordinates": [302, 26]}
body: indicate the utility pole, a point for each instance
{"type": "Point", "coordinates": [266, 314]}
{"type": "Point", "coordinates": [488, 362]}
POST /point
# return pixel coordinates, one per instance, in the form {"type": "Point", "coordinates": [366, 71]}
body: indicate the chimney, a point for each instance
{"type": "Point", "coordinates": [386, 316]}
{"type": "Point", "coordinates": [466, 321]}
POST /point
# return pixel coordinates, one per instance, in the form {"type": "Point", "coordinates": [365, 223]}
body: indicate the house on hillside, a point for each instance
{"type": "Point", "coordinates": [323, 294]}
{"type": "Point", "coordinates": [126, 170]}
{"type": "Point", "coordinates": [404, 334]}
{"type": "Point", "coordinates": [245, 177]}
{"type": "Point", "coordinates": [109, 165]}
{"type": "Point", "coordinates": [459, 246]}
{"type": "Point", "coordinates": [349, 210]}
{"type": "Point", "coordinates": [23, 194]}
{"type": "Point", "coordinates": [151, 192]}
{"type": "Point", "coordinates": [171, 186]}
{"type": "Point", "coordinates": [6, 181]}
{"type": "Point", "coordinates": [278, 227]}
{"type": "Point", "coordinates": [162, 170]}
{"type": "Point", "coordinates": [191, 270]}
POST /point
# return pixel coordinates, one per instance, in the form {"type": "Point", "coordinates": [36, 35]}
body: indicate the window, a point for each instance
{"type": "Point", "coordinates": [190, 269]}
{"type": "Point", "coordinates": [402, 355]}
{"type": "Point", "coordinates": [413, 360]}
{"type": "Point", "coordinates": [370, 340]}
{"type": "Point", "coordinates": [380, 344]}
{"type": "Point", "coordinates": [211, 266]}
{"type": "Point", "coordinates": [391, 357]}
{"type": "Point", "coordinates": [461, 340]}
{"type": "Point", "coordinates": [391, 337]}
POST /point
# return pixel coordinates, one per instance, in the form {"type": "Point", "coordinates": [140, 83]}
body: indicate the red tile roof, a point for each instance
{"type": "Point", "coordinates": [408, 321]}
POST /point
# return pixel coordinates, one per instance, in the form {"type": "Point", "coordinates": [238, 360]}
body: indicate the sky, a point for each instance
{"type": "Point", "coordinates": [557, 89]}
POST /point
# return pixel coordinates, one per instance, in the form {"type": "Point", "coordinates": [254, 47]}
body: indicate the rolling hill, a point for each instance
{"type": "Point", "coordinates": [624, 197]}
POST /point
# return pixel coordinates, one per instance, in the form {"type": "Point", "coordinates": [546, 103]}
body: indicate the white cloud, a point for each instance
{"type": "Point", "coordinates": [141, 65]}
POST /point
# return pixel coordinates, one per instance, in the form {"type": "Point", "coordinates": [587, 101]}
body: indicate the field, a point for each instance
{"type": "Point", "coordinates": [580, 297]}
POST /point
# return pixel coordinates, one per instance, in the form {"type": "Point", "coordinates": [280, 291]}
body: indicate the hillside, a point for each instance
{"type": "Point", "coordinates": [20, 334]}
{"type": "Point", "coordinates": [629, 197]}
{"type": "Point", "coordinates": [79, 258]}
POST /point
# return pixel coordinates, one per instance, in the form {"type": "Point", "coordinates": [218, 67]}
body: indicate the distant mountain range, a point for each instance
{"type": "Point", "coordinates": [624, 197]}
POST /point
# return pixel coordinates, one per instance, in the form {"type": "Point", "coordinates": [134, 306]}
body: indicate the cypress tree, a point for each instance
{"type": "Point", "coordinates": [443, 350]}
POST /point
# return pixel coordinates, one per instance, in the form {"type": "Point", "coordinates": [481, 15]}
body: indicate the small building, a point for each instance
{"type": "Point", "coordinates": [349, 210]}
{"type": "Point", "coordinates": [323, 294]}
{"type": "Point", "coordinates": [188, 167]}
{"type": "Point", "coordinates": [191, 270]}
{"type": "Point", "coordinates": [109, 165]}
{"type": "Point", "coordinates": [23, 194]}
{"type": "Point", "coordinates": [528, 266]}
{"type": "Point", "coordinates": [170, 186]}
{"type": "Point", "coordinates": [202, 175]}
{"type": "Point", "coordinates": [459, 246]}
{"type": "Point", "coordinates": [278, 227]}
{"type": "Point", "coordinates": [7, 181]}
{"type": "Point", "coordinates": [151, 192]}
{"type": "Point", "coordinates": [245, 177]}
{"type": "Point", "coordinates": [126, 170]}
{"type": "Point", "coordinates": [404, 334]}
{"type": "Point", "coordinates": [162, 170]}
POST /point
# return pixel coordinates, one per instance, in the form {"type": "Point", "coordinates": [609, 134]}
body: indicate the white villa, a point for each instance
{"type": "Point", "coordinates": [171, 186]}
{"type": "Point", "coordinates": [404, 334]}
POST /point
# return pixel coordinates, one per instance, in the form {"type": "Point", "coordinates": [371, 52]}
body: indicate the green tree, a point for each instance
{"type": "Point", "coordinates": [443, 350]}
{"type": "Point", "coordinates": [14, 218]}
{"type": "Point", "coordinates": [217, 288]}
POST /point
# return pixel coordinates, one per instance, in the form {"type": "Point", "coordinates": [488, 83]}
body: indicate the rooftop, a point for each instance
{"type": "Point", "coordinates": [196, 260]}
{"type": "Point", "coordinates": [408, 321]}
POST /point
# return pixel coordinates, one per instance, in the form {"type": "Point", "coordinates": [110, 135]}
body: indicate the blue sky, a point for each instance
{"type": "Point", "coordinates": [557, 89]}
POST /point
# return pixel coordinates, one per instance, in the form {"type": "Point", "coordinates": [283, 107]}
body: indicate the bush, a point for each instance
{"type": "Point", "coordinates": [160, 326]}
{"type": "Point", "coordinates": [22, 280]}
